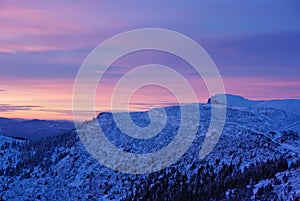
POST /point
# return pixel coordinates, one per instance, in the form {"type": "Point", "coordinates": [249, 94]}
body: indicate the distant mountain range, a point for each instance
{"type": "Point", "coordinates": [27, 129]}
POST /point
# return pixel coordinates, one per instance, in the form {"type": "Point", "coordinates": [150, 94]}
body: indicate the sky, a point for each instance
{"type": "Point", "coordinates": [254, 44]}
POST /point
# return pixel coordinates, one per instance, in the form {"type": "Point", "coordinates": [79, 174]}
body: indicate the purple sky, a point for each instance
{"type": "Point", "coordinates": [255, 45]}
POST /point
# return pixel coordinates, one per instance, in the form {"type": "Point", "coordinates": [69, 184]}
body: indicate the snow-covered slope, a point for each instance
{"type": "Point", "coordinates": [232, 100]}
{"type": "Point", "coordinates": [291, 105]}
{"type": "Point", "coordinates": [288, 105]}
{"type": "Point", "coordinates": [4, 139]}
{"type": "Point", "coordinates": [258, 146]}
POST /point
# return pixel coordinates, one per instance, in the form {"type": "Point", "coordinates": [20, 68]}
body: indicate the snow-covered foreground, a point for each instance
{"type": "Point", "coordinates": [257, 157]}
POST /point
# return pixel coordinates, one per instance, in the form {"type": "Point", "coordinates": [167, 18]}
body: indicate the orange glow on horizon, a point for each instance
{"type": "Point", "coordinates": [52, 99]}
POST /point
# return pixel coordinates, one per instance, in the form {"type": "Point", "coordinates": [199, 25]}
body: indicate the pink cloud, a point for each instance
{"type": "Point", "coordinates": [262, 88]}
{"type": "Point", "coordinates": [38, 27]}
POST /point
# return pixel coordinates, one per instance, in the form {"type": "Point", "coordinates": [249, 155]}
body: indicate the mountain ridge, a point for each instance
{"type": "Point", "coordinates": [254, 142]}
{"type": "Point", "coordinates": [289, 105]}
{"type": "Point", "coordinates": [34, 128]}
{"type": "Point", "coordinates": [256, 158]}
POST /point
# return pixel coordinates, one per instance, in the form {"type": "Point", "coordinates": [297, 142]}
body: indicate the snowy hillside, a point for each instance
{"type": "Point", "coordinates": [4, 139]}
{"type": "Point", "coordinates": [288, 105]}
{"type": "Point", "coordinates": [256, 158]}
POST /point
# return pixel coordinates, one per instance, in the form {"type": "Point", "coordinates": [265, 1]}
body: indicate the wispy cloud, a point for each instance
{"type": "Point", "coordinates": [39, 27]}
{"type": "Point", "coordinates": [268, 55]}
{"type": "Point", "coordinates": [147, 106]}
{"type": "Point", "coordinates": [15, 108]}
